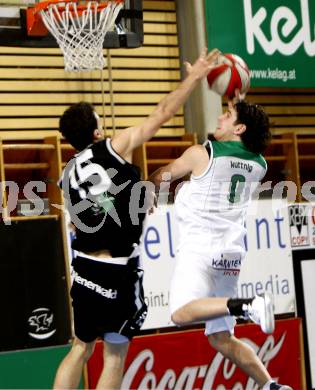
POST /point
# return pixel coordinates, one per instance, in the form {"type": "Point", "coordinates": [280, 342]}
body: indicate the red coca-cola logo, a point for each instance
{"type": "Point", "coordinates": [217, 373]}
{"type": "Point", "coordinates": [185, 360]}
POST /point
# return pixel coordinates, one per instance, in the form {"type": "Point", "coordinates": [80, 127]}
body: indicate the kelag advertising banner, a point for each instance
{"type": "Point", "coordinates": [168, 361]}
{"type": "Point", "coordinates": [276, 38]}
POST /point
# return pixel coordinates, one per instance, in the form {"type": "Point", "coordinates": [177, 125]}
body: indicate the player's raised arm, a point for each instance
{"type": "Point", "coordinates": [127, 140]}
{"type": "Point", "coordinates": [193, 160]}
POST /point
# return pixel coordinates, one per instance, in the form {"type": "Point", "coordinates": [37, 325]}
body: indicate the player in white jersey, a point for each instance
{"type": "Point", "coordinates": [211, 209]}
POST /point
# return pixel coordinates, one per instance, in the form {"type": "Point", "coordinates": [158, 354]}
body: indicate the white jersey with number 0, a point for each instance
{"type": "Point", "coordinates": [211, 208]}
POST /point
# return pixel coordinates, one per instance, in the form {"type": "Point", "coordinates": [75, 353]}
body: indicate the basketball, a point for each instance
{"type": "Point", "coordinates": [231, 74]}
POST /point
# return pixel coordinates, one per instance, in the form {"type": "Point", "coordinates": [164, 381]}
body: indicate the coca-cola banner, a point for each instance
{"type": "Point", "coordinates": [185, 360]}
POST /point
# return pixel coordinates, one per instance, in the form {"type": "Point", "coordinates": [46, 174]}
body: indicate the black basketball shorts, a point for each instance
{"type": "Point", "coordinates": [107, 298]}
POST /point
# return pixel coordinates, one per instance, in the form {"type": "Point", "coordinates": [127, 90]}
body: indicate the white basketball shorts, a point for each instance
{"type": "Point", "coordinates": [198, 275]}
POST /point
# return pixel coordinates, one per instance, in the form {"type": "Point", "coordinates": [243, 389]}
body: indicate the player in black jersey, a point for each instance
{"type": "Point", "coordinates": [101, 189]}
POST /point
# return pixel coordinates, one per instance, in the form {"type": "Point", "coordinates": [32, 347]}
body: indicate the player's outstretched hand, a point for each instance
{"type": "Point", "coordinates": [203, 65]}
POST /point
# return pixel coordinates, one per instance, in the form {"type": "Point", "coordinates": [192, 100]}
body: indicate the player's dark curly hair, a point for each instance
{"type": "Point", "coordinates": [77, 125]}
{"type": "Point", "coordinates": [257, 135]}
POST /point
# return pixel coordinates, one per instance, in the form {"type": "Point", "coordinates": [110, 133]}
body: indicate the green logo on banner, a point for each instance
{"type": "Point", "coordinates": [276, 38]}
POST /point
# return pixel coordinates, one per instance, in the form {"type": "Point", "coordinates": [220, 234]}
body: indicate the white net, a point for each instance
{"type": "Point", "coordinates": [80, 34]}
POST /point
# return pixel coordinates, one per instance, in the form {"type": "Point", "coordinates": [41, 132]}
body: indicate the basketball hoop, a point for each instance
{"type": "Point", "coordinates": [79, 29]}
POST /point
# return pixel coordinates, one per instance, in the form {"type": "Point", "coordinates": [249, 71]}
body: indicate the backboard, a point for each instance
{"type": "Point", "coordinates": [128, 27]}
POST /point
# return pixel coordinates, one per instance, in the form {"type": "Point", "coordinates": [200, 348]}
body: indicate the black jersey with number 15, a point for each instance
{"type": "Point", "coordinates": [103, 195]}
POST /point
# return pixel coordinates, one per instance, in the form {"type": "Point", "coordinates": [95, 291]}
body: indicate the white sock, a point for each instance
{"type": "Point", "coordinates": [267, 385]}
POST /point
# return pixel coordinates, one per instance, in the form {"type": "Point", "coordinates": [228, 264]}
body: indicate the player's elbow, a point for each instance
{"type": "Point", "coordinates": [157, 177]}
{"type": "Point", "coordinates": [179, 318]}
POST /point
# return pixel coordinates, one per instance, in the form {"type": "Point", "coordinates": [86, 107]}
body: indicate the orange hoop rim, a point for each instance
{"type": "Point", "coordinates": [42, 5]}
{"type": "Point", "coordinates": [34, 23]}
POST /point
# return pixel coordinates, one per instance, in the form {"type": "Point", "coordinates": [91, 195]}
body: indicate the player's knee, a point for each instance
{"type": "Point", "coordinates": [83, 350]}
{"type": "Point", "coordinates": [115, 354]}
{"type": "Point", "coordinates": [219, 340]}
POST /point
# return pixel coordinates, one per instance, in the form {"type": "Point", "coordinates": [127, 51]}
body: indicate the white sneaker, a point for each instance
{"type": "Point", "coordinates": [261, 311]}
